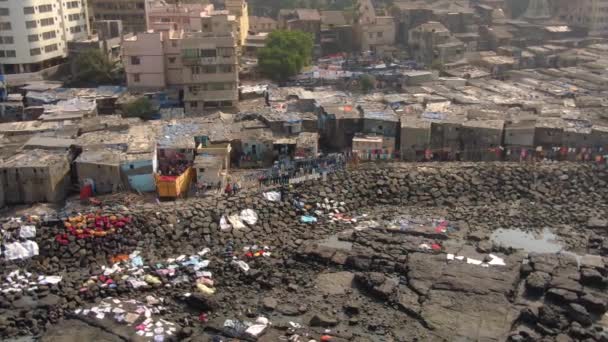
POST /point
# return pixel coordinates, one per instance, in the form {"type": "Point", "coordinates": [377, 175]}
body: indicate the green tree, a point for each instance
{"type": "Point", "coordinates": [367, 82]}
{"type": "Point", "coordinates": [93, 66]}
{"type": "Point", "coordinates": [139, 108]}
{"type": "Point", "coordinates": [285, 54]}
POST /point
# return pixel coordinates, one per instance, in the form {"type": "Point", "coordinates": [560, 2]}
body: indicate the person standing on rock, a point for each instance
{"type": "Point", "coordinates": [228, 189]}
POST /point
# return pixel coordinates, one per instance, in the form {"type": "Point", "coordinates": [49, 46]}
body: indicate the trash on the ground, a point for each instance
{"type": "Point", "coordinates": [273, 196]}
{"type": "Point", "coordinates": [256, 251]}
{"type": "Point", "coordinates": [308, 219]}
{"type": "Point", "coordinates": [249, 216]}
{"type": "Point", "coordinates": [136, 314]}
{"type": "Point", "coordinates": [494, 260]}
{"type": "Point", "coordinates": [18, 281]}
{"type": "Point", "coordinates": [244, 329]}
{"type": "Point", "coordinates": [205, 289]}
{"type": "Point", "coordinates": [242, 265]}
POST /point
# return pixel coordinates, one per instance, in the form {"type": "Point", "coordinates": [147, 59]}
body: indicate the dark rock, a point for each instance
{"type": "Point", "coordinates": [321, 320]}
{"type": "Point", "coordinates": [269, 303]}
{"type": "Point", "coordinates": [537, 282]}
{"type": "Point", "coordinates": [594, 303]}
{"type": "Point", "coordinates": [592, 277]}
{"type": "Point", "coordinates": [561, 296]}
{"type": "Point", "coordinates": [579, 314]}
{"type": "Point", "coordinates": [288, 309]}
{"type": "Point", "coordinates": [201, 302]}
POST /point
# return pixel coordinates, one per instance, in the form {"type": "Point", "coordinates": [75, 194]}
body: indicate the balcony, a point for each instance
{"type": "Point", "coordinates": [204, 78]}
{"type": "Point", "coordinates": [208, 60]}
{"type": "Point", "coordinates": [212, 95]}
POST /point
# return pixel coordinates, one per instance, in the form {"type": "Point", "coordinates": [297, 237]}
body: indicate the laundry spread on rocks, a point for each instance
{"type": "Point", "coordinates": [391, 253]}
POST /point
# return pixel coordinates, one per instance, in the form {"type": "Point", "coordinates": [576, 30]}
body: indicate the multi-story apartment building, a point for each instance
{"type": "Point", "coordinates": [186, 17]}
{"type": "Point", "coordinates": [131, 12]}
{"type": "Point", "coordinates": [589, 14]}
{"type": "Point", "coordinates": [34, 33]}
{"type": "Point", "coordinates": [202, 62]}
{"type": "Point", "coordinates": [239, 9]}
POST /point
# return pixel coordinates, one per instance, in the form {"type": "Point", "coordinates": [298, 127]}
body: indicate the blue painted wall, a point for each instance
{"type": "Point", "coordinates": [141, 175]}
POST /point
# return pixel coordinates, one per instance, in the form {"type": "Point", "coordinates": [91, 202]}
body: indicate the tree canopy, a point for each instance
{"type": "Point", "coordinates": [93, 66]}
{"type": "Point", "coordinates": [140, 108]}
{"type": "Point", "coordinates": [367, 82]}
{"type": "Point", "coordinates": [285, 54]}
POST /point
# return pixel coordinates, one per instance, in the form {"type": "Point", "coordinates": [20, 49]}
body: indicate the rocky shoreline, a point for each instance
{"type": "Point", "coordinates": [398, 252]}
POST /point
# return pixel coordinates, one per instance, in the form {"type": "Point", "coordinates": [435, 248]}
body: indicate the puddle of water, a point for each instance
{"type": "Point", "coordinates": [546, 242]}
{"type": "Point", "coordinates": [333, 242]}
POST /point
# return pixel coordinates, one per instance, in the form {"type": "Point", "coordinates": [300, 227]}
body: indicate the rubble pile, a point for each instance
{"type": "Point", "coordinates": [396, 253]}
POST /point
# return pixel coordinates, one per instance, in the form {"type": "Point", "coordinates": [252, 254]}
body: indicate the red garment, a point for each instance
{"type": "Point", "coordinates": [436, 247]}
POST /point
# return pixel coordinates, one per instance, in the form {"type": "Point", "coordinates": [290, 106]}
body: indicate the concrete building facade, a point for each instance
{"type": "Point", "coordinates": [372, 32]}
{"type": "Point", "coordinates": [131, 12]}
{"type": "Point", "coordinates": [35, 176]}
{"type": "Point", "coordinates": [590, 14]}
{"type": "Point", "coordinates": [34, 33]}
{"type": "Point", "coordinates": [199, 57]}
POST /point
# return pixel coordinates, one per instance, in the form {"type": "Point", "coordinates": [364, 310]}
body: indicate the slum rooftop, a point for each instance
{"type": "Point", "coordinates": [34, 158]}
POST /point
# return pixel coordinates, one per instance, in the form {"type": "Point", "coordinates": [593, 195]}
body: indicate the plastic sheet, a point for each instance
{"type": "Point", "coordinates": [249, 216]}
{"type": "Point", "coordinates": [235, 221]}
{"type": "Point", "coordinates": [272, 196]}
{"type": "Point", "coordinates": [224, 225]}
{"type": "Point", "coordinates": [27, 232]}
{"type": "Point", "coordinates": [20, 250]}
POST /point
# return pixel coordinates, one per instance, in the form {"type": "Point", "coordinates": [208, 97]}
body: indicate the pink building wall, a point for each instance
{"type": "Point", "coordinates": [148, 49]}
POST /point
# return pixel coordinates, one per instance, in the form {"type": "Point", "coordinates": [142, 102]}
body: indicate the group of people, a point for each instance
{"type": "Point", "coordinates": [232, 188]}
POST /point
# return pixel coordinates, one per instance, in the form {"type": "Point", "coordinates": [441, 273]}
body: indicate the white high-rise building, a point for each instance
{"type": "Point", "coordinates": [34, 33]}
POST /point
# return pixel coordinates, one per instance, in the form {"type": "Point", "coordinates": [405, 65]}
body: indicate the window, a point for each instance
{"type": "Point", "coordinates": [35, 52]}
{"type": "Point", "coordinates": [33, 38]}
{"type": "Point", "coordinates": [6, 40]}
{"type": "Point", "coordinates": [174, 43]}
{"type": "Point", "coordinates": [45, 8]}
{"type": "Point", "coordinates": [136, 78]}
{"type": "Point", "coordinates": [47, 21]}
{"type": "Point", "coordinates": [71, 4]}
{"type": "Point", "coordinates": [205, 53]}
{"type": "Point", "coordinates": [195, 70]}
{"type": "Point", "coordinates": [74, 17]}
{"type": "Point", "coordinates": [11, 53]}
{"type": "Point", "coordinates": [75, 29]}
{"type": "Point", "coordinates": [171, 60]}
{"type": "Point", "coordinates": [193, 104]}
{"type": "Point", "coordinates": [225, 52]}
{"type": "Point", "coordinates": [135, 60]}
{"type": "Point", "coordinates": [379, 34]}
{"type": "Point", "coordinates": [48, 35]}
{"type": "Point", "coordinates": [5, 26]}
{"type": "Point", "coordinates": [4, 11]}
{"type": "Point", "coordinates": [226, 68]}
{"type": "Point", "coordinates": [50, 48]}
{"type": "Point", "coordinates": [30, 24]}
{"type": "Point", "coordinates": [28, 10]}
{"type": "Point", "coordinates": [208, 69]}
{"type": "Point", "coordinates": [194, 89]}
